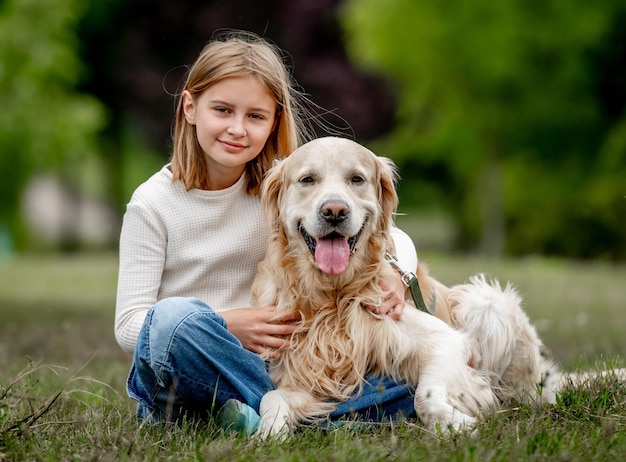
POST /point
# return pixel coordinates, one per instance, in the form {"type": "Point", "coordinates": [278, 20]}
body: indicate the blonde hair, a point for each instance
{"type": "Point", "coordinates": [239, 54]}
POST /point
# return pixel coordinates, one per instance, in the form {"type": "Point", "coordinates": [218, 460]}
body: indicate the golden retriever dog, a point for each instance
{"type": "Point", "coordinates": [331, 206]}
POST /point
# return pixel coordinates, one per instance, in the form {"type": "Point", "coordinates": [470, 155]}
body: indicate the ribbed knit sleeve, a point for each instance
{"type": "Point", "coordinates": [143, 244]}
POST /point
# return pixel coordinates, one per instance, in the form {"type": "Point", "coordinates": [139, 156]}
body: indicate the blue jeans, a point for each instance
{"type": "Point", "coordinates": [187, 363]}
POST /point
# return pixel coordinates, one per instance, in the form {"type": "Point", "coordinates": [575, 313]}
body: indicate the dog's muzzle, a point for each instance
{"type": "Point", "coordinates": [332, 251]}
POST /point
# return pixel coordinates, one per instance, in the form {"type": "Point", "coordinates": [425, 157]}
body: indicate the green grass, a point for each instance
{"type": "Point", "coordinates": [62, 375]}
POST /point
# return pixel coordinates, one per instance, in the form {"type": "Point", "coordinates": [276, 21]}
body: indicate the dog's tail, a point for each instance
{"type": "Point", "coordinates": [487, 313]}
{"type": "Point", "coordinates": [507, 345]}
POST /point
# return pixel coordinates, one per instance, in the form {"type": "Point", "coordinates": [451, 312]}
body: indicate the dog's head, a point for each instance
{"type": "Point", "coordinates": [328, 196]}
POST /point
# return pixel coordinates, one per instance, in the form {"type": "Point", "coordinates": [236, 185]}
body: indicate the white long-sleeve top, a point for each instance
{"type": "Point", "coordinates": [204, 244]}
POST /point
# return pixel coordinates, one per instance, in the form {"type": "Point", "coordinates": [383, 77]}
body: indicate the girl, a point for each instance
{"type": "Point", "coordinates": [192, 237]}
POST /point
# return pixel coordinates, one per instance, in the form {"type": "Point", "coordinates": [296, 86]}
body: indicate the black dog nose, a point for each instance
{"type": "Point", "coordinates": [334, 211]}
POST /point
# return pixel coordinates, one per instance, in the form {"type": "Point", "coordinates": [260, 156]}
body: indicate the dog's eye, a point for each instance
{"type": "Point", "coordinates": [357, 179]}
{"type": "Point", "coordinates": [307, 179]}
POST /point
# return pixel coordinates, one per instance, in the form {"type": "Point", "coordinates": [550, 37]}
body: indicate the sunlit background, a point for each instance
{"type": "Point", "coordinates": [505, 118]}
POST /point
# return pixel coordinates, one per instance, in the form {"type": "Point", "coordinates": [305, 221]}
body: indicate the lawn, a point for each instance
{"type": "Point", "coordinates": [62, 374]}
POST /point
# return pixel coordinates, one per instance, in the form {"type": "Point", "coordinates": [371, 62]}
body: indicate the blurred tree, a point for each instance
{"type": "Point", "coordinates": [515, 107]}
{"type": "Point", "coordinates": [45, 125]}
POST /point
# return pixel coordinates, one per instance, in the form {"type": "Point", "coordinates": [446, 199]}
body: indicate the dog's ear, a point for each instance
{"type": "Point", "coordinates": [271, 194]}
{"type": "Point", "coordinates": [387, 195]}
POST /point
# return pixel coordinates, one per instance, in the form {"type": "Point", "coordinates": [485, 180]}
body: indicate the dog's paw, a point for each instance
{"type": "Point", "coordinates": [437, 414]}
{"type": "Point", "coordinates": [275, 416]}
{"type": "Point", "coordinates": [274, 429]}
{"type": "Point", "coordinates": [461, 422]}
{"type": "Point", "coordinates": [454, 421]}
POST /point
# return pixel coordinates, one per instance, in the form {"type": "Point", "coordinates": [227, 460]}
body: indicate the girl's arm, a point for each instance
{"type": "Point", "coordinates": [405, 250]}
{"type": "Point", "coordinates": [142, 257]}
{"type": "Point", "coordinates": [406, 254]}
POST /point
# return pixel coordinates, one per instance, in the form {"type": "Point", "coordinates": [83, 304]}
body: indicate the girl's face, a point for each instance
{"type": "Point", "coordinates": [233, 119]}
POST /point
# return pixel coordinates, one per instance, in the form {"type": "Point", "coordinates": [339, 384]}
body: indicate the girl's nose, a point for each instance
{"type": "Point", "coordinates": [237, 127]}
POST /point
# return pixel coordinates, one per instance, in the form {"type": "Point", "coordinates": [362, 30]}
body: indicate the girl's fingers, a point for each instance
{"type": "Point", "coordinates": [286, 317]}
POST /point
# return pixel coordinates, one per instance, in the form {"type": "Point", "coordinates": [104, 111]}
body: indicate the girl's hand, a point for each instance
{"type": "Point", "coordinates": [258, 327]}
{"type": "Point", "coordinates": [393, 305]}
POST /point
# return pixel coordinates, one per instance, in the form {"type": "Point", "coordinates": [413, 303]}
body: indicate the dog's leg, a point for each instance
{"type": "Point", "coordinates": [449, 393]}
{"type": "Point", "coordinates": [279, 412]}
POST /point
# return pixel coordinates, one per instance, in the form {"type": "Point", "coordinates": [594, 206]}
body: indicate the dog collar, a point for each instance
{"type": "Point", "coordinates": [410, 280]}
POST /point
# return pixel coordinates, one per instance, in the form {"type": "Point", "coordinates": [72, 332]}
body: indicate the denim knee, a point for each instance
{"type": "Point", "coordinates": [173, 310]}
{"type": "Point", "coordinates": [153, 373]}
{"type": "Point", "coordinates": [167, 315]}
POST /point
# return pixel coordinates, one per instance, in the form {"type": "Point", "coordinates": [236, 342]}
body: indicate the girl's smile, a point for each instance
{"type": "Point", "coordinates": [232, 146]}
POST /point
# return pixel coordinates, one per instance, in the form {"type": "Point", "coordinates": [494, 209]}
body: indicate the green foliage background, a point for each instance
{"type": "Point", "coordinates": [45, 124]}
{"type": "Point", "coordinates": [512, 104]}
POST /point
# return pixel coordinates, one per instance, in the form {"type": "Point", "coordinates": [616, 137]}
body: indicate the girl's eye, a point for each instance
{"type": "Point", "coordinates": [222, 109]}
{"type": "Point", "coordinates": [256, 116]}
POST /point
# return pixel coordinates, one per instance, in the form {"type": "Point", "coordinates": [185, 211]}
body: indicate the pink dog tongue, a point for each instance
{"type": "Point", "coordinates": [332, 255]}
